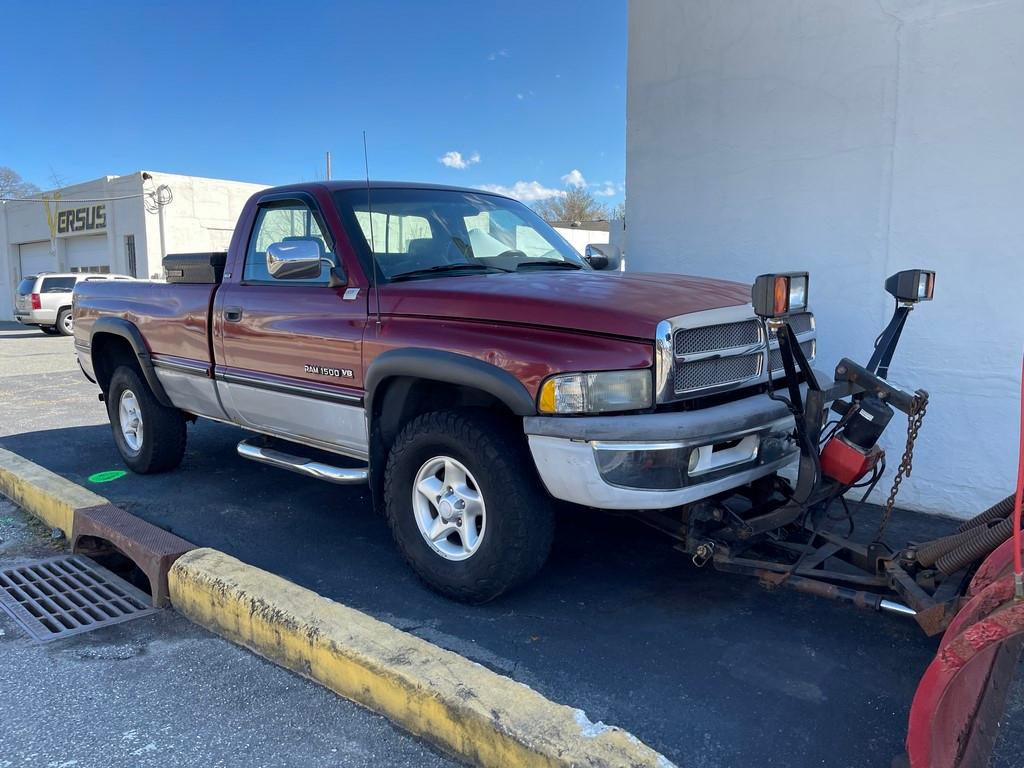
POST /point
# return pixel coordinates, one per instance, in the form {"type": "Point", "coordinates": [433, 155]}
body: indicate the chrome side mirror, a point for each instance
{"type": "Point", "coordinates": [300, 259]}
{"type": "Point", "coordinates": [294, 259]}
{"type": "Point", "coordinates": [603, 256]}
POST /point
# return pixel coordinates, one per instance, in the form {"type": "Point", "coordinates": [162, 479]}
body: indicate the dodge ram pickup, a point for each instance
{"type": "Point", "coordinates": [470, 362]}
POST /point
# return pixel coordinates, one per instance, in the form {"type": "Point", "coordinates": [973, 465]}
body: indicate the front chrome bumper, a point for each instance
{"type": "Point", "coordinates": [738, 443]}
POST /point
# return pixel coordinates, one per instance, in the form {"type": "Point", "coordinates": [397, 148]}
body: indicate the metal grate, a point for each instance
{"type": "Point", "coordinates": [716, 370]}
{"type": "Point", "coordinates": [711, 338]}
{"type": "Point", "coordinates": [68, 595]}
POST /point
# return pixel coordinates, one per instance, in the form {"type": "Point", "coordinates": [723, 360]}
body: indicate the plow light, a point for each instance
{"type": "Point", "coordinates": [779, 294]}
{"type": "Point", "coordinates": [912, 285]}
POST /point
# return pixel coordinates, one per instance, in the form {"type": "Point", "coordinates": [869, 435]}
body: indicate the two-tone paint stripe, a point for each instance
{"type": "Point", "coordinates": [235, 376]}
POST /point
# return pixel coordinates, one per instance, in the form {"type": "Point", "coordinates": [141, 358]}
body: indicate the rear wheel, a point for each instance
{"type": "Point", "coordinates": [65, 323]}
{"type": "Point", "coordinates": [465, 505]}
{"type": "Point", "coordinates": [150, 437]}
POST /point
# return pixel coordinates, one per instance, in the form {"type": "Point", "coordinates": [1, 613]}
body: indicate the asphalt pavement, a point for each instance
{"type": "Point", "coordinates": [710, 669]}
{"type": "Point", "coordinates": [158, 691]}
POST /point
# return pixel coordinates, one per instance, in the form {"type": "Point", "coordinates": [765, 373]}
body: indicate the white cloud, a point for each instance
{"type": "Point", "coordinates": [527, 191]}
{"type": "Point", "coordinates": [574, 179]}
{"type": "Point", "coordinates": [455, 159]}
{"type": "Point", "coordinates": [607, 189]}
{"type": "Point", "coordinates": [495, 55]}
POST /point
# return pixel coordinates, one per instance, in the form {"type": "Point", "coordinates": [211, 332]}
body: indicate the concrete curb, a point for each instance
{"type": "Point", "coordinates": [456, 704]}
{"type": "Point", "coordinates": [46, 495]}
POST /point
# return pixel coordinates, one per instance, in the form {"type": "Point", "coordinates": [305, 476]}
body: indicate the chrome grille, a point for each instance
{"type": "Point", "coordinates": [711, 338]}
{"type": "Point", "coordinates": [776, 358]}
{"type": "Point", "coordinates": [707, 352]}
{"type": "Point", "coordinates": [801, 324]}
{"type": "Point", "coordinates": [714, 371]}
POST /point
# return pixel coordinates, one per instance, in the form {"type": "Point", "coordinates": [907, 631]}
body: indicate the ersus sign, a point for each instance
{"type": "Point", "coordinates": [89, 218]}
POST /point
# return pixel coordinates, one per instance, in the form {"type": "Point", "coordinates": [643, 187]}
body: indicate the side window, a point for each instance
{"type": "Point", "coordinates": [58, 285]}
{"type": "Point", "coordinates": [280, 222]}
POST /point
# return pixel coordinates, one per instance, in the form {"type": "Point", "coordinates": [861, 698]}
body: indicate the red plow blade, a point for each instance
{"type": "Point", "coordinates": [954, 719]}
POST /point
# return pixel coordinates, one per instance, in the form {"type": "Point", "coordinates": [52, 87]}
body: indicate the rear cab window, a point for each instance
{"type": "Point", "coordinates": [282, 222]}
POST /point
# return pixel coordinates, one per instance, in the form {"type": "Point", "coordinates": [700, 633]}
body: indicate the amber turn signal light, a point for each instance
{"type": "Point", "coordinates": [779, 294]}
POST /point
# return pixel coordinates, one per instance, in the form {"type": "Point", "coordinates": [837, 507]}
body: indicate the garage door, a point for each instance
{"type": "Point", "coordinates": [87, 254]}
{"type": "Point", "coordinates": [36, 258]}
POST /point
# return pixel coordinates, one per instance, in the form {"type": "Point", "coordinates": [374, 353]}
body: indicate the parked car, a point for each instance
{"type": "Point", "coordinates": [453, 344]}
{"type": "Point", "coordinates": [44, 300]}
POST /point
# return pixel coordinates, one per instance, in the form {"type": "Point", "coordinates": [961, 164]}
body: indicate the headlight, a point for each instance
{"type": "Point", "coordinates": [912, 285]}
{"type": "Point", "coordinates": [596, 392]}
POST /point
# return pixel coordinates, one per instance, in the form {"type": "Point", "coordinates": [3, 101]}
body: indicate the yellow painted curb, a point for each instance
{"type": "Point", "coordinates": [45, 494]}
{"type": "Point", "coordinates": [458, 705]}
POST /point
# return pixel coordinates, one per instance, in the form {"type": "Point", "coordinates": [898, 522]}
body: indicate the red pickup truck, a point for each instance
{"type": "Point", "coordinates": [463, 353]}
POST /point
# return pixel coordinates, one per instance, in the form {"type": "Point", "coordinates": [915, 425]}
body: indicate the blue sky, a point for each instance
{"type": "Point", "coordinates": [525, 92]}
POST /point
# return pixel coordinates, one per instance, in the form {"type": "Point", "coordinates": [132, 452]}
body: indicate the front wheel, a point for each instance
{"type": "Point", "coordinates": [465, 505]}
{"type": "Point", "coordinates": [150, 437]}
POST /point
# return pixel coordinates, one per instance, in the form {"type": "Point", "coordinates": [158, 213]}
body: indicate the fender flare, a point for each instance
{"type": "Point", "coordinates": [450, 368]}
{"type": "Point", "coordinates": [117, 326]}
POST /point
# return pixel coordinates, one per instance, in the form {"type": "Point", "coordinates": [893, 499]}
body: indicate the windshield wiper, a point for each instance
{"type": "Point", "coordinates": [438, 268]}
{"type": "Point", "coordinates": [548, 263]}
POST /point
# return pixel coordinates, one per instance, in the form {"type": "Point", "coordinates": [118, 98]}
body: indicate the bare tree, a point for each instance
{"type": "Point", "coordinates": [12, 185]}
{"type": "Point", "coordinates": [576, 205]}
{"type": "Point", "coordinates": [619, 211]}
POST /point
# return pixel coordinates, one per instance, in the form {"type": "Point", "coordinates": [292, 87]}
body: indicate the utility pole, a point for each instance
{"type": "Point", "coordinates": [328, 166]}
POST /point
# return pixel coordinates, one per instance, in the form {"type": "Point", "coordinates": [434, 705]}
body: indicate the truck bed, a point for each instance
{"type": "Point", "coordinates": [173, 319]}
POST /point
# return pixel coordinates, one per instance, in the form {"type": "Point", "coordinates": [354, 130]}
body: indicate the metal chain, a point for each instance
{"type": "Point", "coordinates": [914, 421]}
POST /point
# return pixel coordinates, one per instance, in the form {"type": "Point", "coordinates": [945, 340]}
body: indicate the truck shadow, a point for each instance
{"type": "Point", "coordinates": [30, 335]}
{"type": "Point", "coordinates": [706, 667]}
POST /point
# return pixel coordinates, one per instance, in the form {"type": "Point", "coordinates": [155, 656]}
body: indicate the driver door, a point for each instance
{"type": "Point", "coordinates": [290, 359]}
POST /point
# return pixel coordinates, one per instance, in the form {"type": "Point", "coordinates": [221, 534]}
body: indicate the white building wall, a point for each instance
{"type": "Point", "coordinates": [853, 140]}
{"type": "Point", "coordinates": [581, 238]}
{"type": "Point", "coordinates": [200, 216]}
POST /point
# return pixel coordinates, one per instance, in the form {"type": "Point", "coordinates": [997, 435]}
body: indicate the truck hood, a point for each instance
{"type": "Point", "coordinates": [613, 303]}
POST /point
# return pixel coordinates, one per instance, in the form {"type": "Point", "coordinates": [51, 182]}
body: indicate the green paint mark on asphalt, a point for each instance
{"type": "Point", "coordinates": [108, 476]}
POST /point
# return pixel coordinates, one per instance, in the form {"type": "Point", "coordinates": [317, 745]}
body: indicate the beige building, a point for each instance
{"type": "Point", "coordinates": [122, 224]}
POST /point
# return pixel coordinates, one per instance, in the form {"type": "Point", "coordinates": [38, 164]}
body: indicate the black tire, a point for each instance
{"type": "Point", "coordinates": [49, 330]}
{"type": "Point", "coordinates": [519, 514]}
{"type": "Point", "coordinates": [65, 325]}
{"type": "Point", "coordinates": [162, 444]}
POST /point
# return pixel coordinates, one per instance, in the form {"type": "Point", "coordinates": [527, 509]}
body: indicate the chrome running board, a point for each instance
{"type": "Point", "coordinates": [303, 466]}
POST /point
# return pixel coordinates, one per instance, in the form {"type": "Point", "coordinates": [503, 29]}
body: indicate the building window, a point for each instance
{"type": "Point", "coordinates": [129, 252]}
{"type": "Point", "coordinates": [98, 269]}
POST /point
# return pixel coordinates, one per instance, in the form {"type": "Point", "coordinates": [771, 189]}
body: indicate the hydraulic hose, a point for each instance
{"type": "Point", "coordinates": [997, 511]}
{"type": "Point", "coordinates": [928, 553]}
{"type": "Point", "coordinates": [976, 548]}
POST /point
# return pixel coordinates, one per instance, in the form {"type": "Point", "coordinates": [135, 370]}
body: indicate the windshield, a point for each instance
{"type": "Point", "coordinates": [442, 233]}
{"type": "Point", "coordinates": [26, 285]}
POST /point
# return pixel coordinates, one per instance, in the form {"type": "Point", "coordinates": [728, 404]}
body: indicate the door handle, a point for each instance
{"type": "Point", "coordinates": [232, 314]}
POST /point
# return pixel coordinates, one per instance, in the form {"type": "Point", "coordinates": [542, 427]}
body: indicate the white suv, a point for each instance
{"type": "Point", "coordinates": [44, 300]}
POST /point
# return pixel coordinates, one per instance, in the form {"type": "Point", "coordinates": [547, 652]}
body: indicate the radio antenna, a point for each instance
{"type": "Point", "coordinates": [374, 282]}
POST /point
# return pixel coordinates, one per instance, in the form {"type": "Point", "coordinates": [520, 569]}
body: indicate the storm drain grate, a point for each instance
{"type": "Point", "coordinates": [68, 595]}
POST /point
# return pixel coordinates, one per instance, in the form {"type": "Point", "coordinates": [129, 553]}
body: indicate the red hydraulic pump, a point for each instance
{"type": "Point", "coordinates": [853, 449]}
